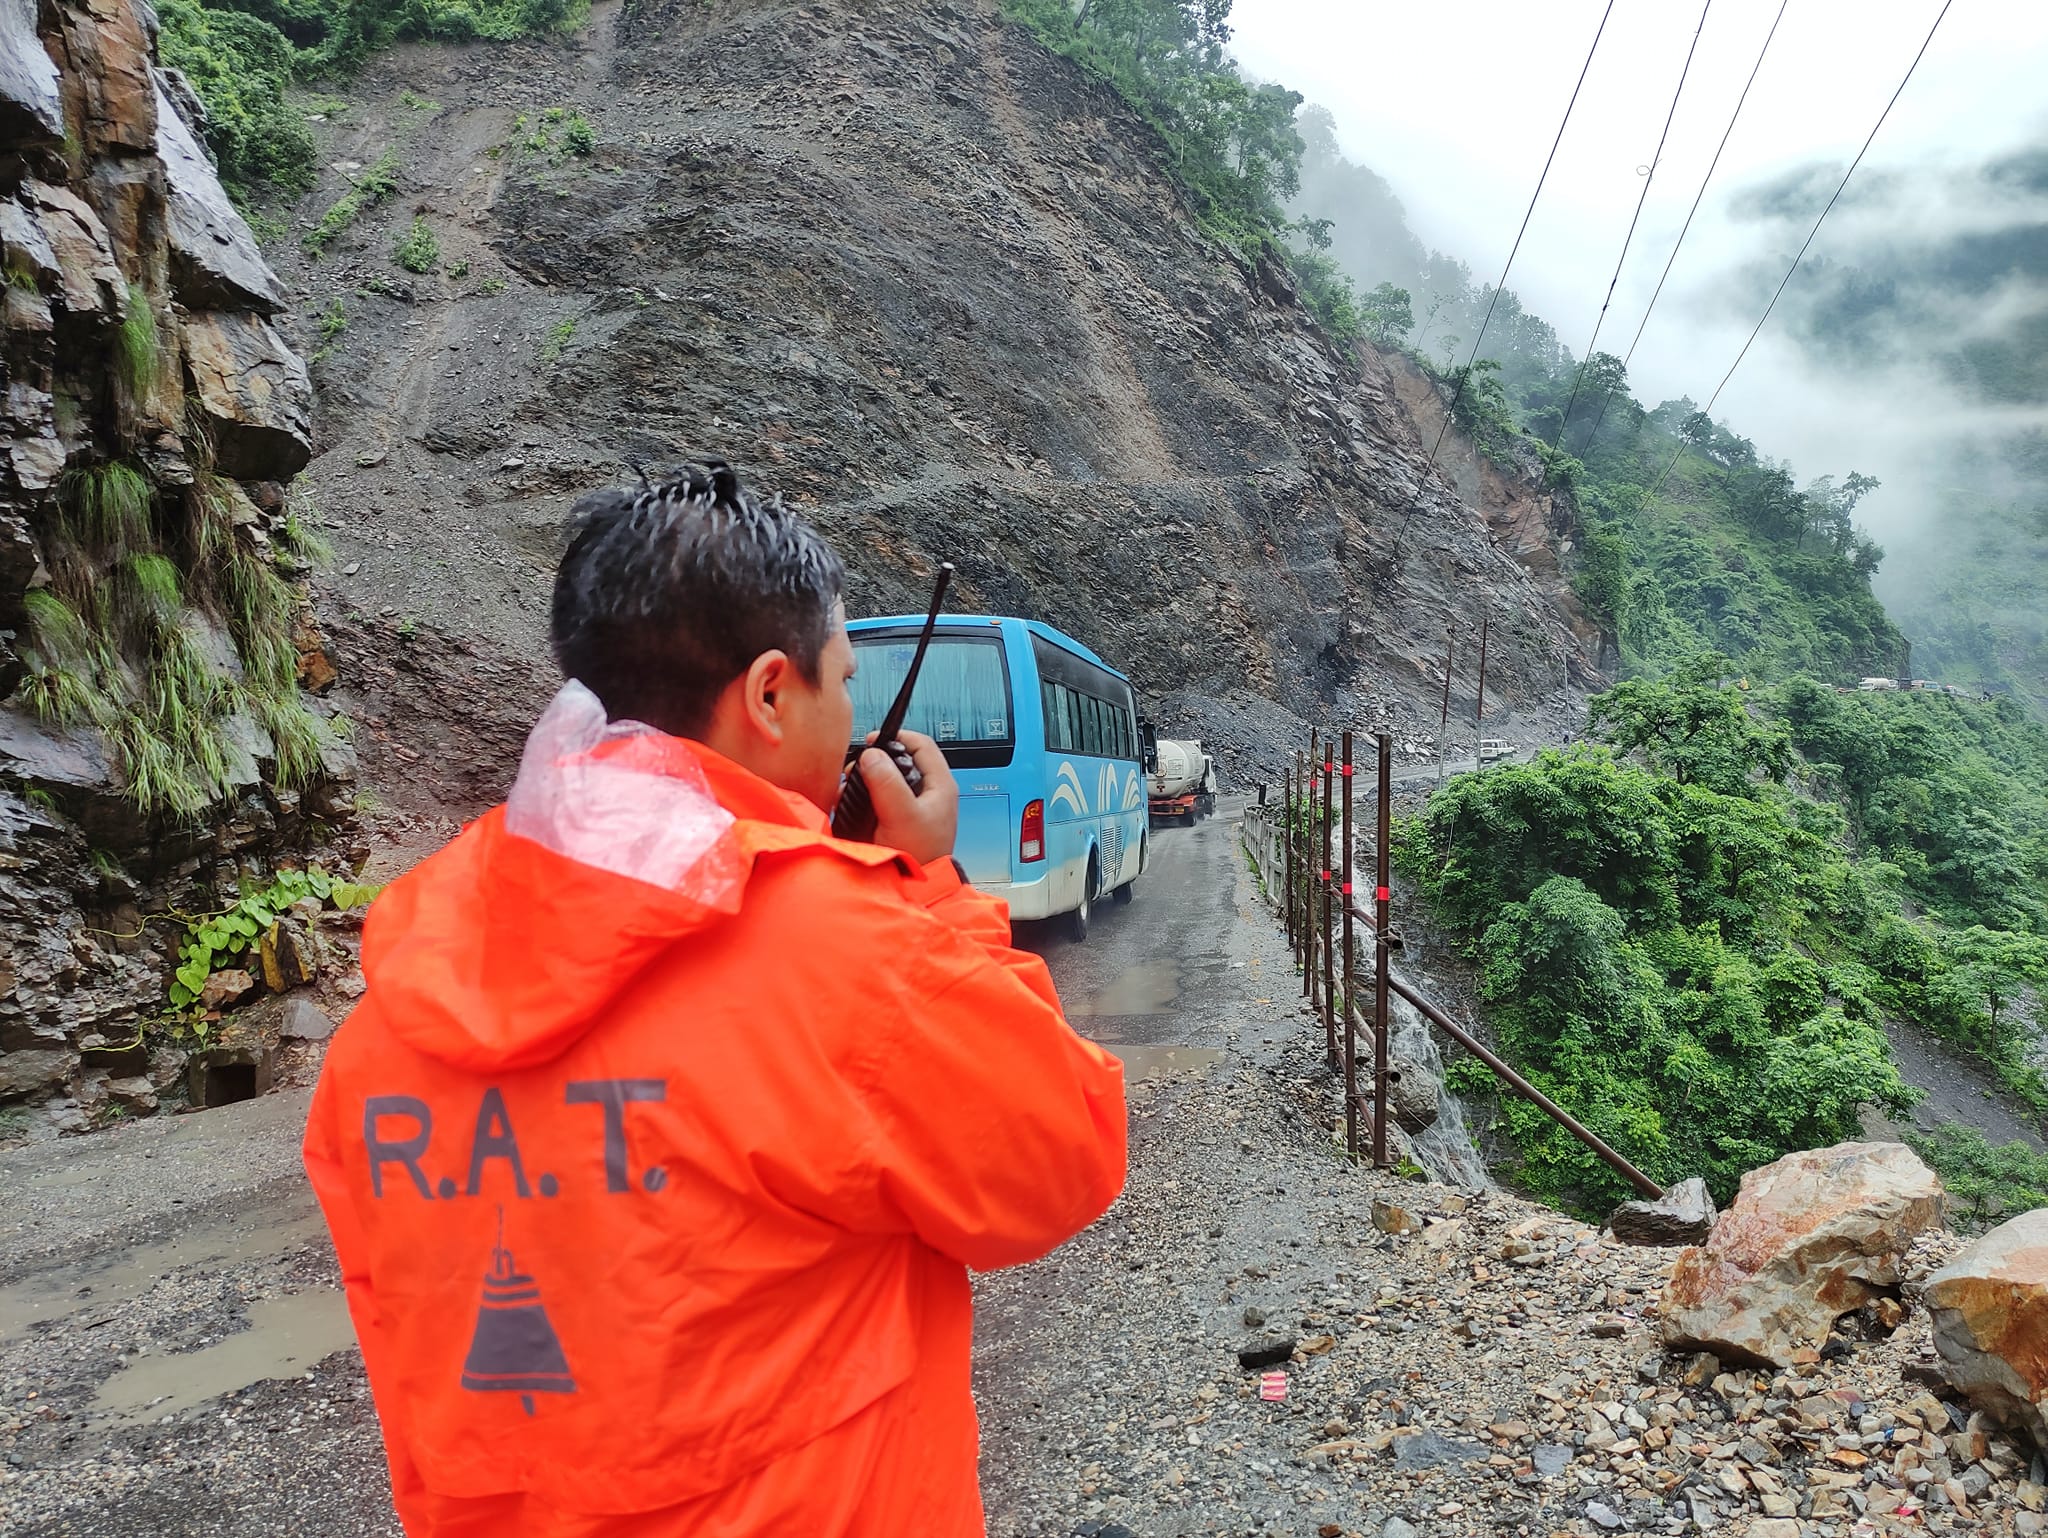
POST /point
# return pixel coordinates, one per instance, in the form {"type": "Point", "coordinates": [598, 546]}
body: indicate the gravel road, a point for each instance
{"type": "Point", "coordinates": [174, 1357]}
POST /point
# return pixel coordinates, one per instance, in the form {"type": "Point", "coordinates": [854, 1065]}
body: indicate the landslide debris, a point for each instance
{"type": "Point", "coordinates": [934, 283]}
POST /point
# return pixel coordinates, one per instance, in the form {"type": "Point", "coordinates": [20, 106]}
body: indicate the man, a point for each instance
{"type": "Point", "coordinates": [661, 1142]}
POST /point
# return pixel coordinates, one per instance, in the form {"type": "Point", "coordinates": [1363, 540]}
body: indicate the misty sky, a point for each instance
{"type": "Point", "coordinates": [1455, 103]}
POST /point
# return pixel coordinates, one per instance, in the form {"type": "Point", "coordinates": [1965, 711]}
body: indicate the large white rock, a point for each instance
{"type": "Point", "coordinates": [1806, 1240]}
{"type": "Point", "coordinates": [1990, 1311]}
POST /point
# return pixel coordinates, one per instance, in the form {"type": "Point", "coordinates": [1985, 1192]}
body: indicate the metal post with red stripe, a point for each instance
{"type": "Point", "coordinates": [1329, 907]}
{"type": "Point", "coordinates": [1379, 954]}
{"type": "Point", "coordinates": [1350, 978]}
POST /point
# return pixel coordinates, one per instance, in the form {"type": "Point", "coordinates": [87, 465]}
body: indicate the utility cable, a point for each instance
{"type": "Point", "coordinates": [1709, 407]}
{"type": "Point", "coordinates": [1629, 357]}
{"type": "Point", "coordinates": [1459, 392]}
{"type": "Point", "coordinates": [1649, 176]}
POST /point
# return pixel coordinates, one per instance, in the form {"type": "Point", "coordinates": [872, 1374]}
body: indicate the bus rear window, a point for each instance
{"type": "Point", "coordinates": [962, 694]}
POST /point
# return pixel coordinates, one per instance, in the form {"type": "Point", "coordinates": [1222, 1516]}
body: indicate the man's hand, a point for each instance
{"type": "Point", "coordinates": [922, 826]}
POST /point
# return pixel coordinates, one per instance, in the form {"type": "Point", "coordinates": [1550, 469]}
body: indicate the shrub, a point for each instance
{"type": "Point", "coordinates": [557, 342]}
{"type": "Point", "coordinates": [241, 66]}
{"type": "Point", "coordinates": [377, 183]}
{"type": "Point", "coordinates": [417, 250]}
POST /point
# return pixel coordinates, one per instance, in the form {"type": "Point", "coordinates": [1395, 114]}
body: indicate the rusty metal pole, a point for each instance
{"type": "Point", "coordinates": [1479, 710]}
{"type": "Point", "coordinates": [1443, 726]}
{"type": "Point", "coordinates": [1308, 890]}
{"type": "Point", "coordinates": [1380, 897]}
{"type": "Point", "coordinates": [1287, 849]}
{"type": "Point", "coordinates": [1350, 979]}
{"type": "Point", "coordinates": [1329, 907]}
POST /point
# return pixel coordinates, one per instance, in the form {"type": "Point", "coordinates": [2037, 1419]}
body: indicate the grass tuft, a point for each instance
{"type": "Point", "coordinates": [137, 348]}
{"type": "Point", "coordinates": [296, 734]}
{"type": "Point", "coordinates": [105, 507]}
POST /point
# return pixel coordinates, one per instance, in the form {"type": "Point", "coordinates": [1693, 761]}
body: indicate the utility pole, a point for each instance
{"type": "Point", "coordinates": [1443, 725]}
{"type": "Point", "coordinates": [1479, 709]}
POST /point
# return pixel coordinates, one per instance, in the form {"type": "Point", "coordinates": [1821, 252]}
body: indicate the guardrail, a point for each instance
{"type": "Point", "coordinates": [1292, 840]}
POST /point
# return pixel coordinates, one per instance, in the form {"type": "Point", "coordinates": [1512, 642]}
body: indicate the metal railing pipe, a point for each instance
{"type": "Point", "coordinates": [1524, 1088]}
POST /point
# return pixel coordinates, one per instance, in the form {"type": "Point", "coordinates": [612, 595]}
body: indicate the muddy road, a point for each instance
{"type": "Point", "coordinates": [175, 1356]}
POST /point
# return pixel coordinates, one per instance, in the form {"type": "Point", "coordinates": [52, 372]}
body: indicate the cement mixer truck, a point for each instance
{"type": "Point", "coordinates": [1182, 783]}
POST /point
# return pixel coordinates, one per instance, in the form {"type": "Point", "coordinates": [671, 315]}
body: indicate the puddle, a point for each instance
{"type": "Point", "coordinates": [286, 1335]}
{"type": "Point", "coordinates": [100, 1286]}
{"type": "Point", "coordinates": [1149, 988]}
{"type": "Point", "coordinates": [1141, 1063]}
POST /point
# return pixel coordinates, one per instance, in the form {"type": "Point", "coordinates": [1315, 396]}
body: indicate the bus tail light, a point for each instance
{"type": "Point", "coordinates": [1031, 841]}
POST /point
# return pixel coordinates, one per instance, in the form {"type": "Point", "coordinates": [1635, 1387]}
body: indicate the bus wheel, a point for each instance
{"type": "Point", "coordinates": [1077, 921]}
{"type": "Point", "coordinates": [1126, 892]}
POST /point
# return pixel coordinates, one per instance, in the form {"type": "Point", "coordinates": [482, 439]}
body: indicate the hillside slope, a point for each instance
{"type": "Point", "coordinates": [930, 281]}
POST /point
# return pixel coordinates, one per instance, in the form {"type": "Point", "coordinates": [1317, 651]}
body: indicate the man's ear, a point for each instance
{"type": "Point", "coordinates": [762, 699]}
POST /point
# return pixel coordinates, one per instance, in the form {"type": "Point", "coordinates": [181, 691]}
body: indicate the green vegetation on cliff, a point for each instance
{"type": "Point", "coordinates": [243, 56]}
{"type": "Point", "coordinates": [1232, 143]}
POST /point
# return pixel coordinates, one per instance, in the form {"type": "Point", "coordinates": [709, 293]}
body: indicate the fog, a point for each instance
{"type": "Point", "coordinates": [1913, 344]}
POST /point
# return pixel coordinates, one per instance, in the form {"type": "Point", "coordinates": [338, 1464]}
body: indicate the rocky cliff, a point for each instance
{"type": "Point", "coordinates": [154, 740]}
{"type": "Point", "coordinates": [933, 283]}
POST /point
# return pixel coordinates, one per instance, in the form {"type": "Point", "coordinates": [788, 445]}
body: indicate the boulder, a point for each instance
{"type": "Point", "coordinates": [215, 263]}
{"type": "Point", "coordinates": [254, 392]}
{"type": "Point", "coordinates": [226, 988]}
{"type": "Point", "coordinates": [1684, 1215]}
{"type": "Point", "coordinates": [89, 281]}
{"type": "Point", "coordinates": [1390, 1219]}
{"type": "Point", "coordinates": [1806, 1240]}
{"type": "Point", "coordinates": [304, 1020]}
{"type": "Point", "coordinates": [1990, 1311]}
{"type": "Point", "coordinates": [31, 111]}
{"type": "Point", "coordinates": [1413, 1095]}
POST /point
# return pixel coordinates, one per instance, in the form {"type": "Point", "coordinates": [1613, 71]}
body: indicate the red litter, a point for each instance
{"type": "Point", "coordinates": [1272, 1385]}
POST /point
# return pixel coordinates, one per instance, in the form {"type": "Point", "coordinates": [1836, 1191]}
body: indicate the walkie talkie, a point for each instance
{"type": "Point", "coordinates": [854, 816]}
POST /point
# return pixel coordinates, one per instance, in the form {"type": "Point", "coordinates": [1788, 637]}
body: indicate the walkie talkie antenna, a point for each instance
{"type": "Point", "coordinates": [854, 816]}
{"type": "Point", "coordinates": [892, 723]}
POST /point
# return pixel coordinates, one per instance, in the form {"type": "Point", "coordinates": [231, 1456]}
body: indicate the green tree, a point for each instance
{"type": "Point", "coordinates": [1696, 729]}
{"type": "Point", "coordinates": [1386, 314]}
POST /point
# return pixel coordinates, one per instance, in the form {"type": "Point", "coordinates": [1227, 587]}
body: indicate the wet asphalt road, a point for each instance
{"type": "Point", "coordinates": [173, 1356]}
{"type": "Point", "coordinates": [1142, 978]}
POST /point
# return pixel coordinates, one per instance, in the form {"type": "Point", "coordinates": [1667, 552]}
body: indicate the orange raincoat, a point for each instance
{"type": "Point", "coordinates": [654, 1186]}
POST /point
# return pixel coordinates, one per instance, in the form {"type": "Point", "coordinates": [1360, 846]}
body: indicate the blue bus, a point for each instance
{"type": "Point", "coordinates": [1044, 738]}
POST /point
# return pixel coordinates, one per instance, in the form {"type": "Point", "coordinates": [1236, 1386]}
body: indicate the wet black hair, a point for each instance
{"type": "Point", "coordinates": [669, 592]}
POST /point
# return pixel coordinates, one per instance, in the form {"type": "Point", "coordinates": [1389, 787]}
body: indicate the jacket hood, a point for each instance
{"type": "Point", "coordinates": [502, 949]}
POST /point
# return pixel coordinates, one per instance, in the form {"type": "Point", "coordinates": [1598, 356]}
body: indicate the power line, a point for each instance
{"type": "Point", "coordinates": [1459, 392]}
{"type": "Point", "coordinates": [1629, 357]}
{"type": "Point", "coordinates": [1910, 68]}
{"type": "Point", "coordinates": [1586, 358]}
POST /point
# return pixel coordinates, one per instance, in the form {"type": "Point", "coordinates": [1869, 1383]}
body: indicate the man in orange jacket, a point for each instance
{"type": "Point", "coordinates": [658, 1148]}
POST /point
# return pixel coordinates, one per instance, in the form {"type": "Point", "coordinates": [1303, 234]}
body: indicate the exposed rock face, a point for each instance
{"type": "Point", "coordinates": [1685, 1215]}
{"type": "Point", "coordinates": [1806, 1240]}
{"type": "Point", "coordinates": [128, 218]}
{"type": "Point", "coordinates": [1990, 1309]}
{"type": "Point", "coordinates": [214, 260]}
{"type": "Point", "coordinates": [255, 394]}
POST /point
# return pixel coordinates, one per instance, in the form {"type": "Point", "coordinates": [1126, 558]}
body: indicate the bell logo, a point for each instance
{"type": "Point", "coordinates": [515, 1349]}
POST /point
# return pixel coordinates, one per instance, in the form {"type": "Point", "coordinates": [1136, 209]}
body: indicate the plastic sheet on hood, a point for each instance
{"type": "Point", "coordinates": [624, 798]}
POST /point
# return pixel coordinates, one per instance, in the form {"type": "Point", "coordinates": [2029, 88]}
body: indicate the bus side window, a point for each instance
{"type": "Point", "coordinates": [1055, 725]}
{"type": "Point", "coordinates": [1091, 724]}
{"type": "Point", "coordinates": [1073, 714]}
